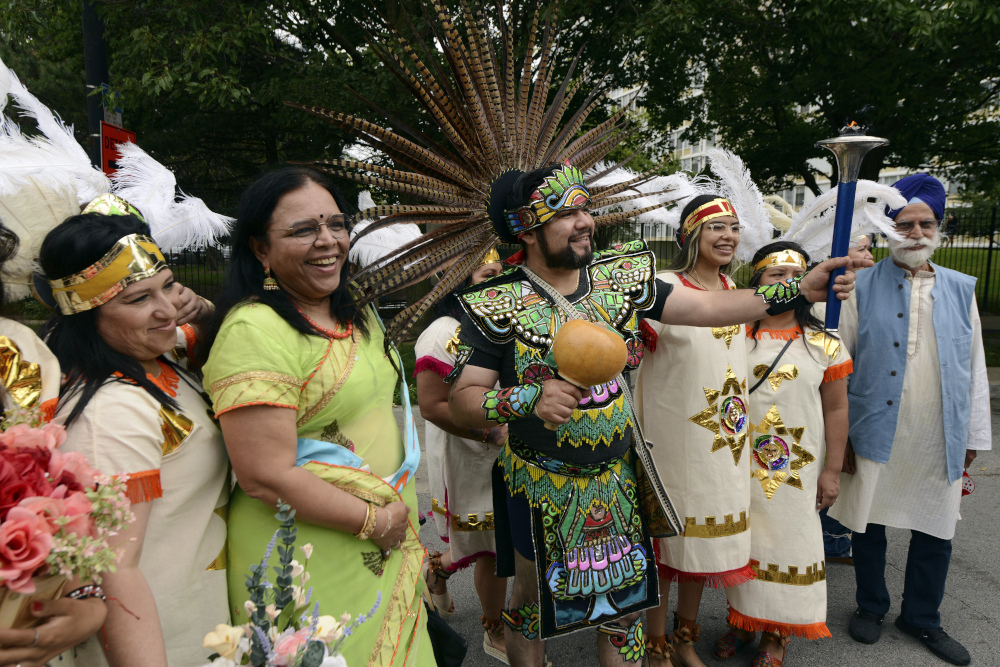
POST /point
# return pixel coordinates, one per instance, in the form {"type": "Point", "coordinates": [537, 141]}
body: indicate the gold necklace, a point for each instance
{"type": "Point", "coordinates": [694, 276]}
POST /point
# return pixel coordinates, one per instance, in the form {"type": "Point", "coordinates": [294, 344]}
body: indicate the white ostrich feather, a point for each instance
{"type": "Point", "coordinates": [781, 212]}
{"type": "Point", "coordinates": [53, 159]}
{"type": "Point", "coordinates": [659, 189]}
{"type": "Point", "coordinates": [376, 245]}
{"type": "Point", "coordinates": [812, 227]}
{"type": "Point", "coordinates": [736, 185]}
{"type": "Point", "coordinates": [175, 219]}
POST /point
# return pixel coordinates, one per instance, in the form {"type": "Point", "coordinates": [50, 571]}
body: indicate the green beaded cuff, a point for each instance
{"type": "Point", "coordinates": [504, 405]}
{"type": "Point", "coordinates": [782, 297]}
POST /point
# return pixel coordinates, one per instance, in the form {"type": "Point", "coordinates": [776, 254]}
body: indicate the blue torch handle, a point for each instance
{"type": "Point", "coordinates": [841, 242]}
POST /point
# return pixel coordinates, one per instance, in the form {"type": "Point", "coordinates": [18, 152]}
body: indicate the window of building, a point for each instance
{"type": "Point", "coordinates": [800, 196]}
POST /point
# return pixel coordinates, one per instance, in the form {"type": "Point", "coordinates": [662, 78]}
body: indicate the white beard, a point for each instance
{"type": "Point", "coordinates": [914, 254]}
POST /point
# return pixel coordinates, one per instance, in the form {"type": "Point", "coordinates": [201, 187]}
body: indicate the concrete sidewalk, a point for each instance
{"type": "Point", "coordinates": [970, 612]}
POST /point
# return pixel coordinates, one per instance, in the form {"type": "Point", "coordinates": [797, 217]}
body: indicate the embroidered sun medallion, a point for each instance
{"type": "Point", "coordinates": [727, 418]}
{"type": "Point", "coordinates": [772, 464]}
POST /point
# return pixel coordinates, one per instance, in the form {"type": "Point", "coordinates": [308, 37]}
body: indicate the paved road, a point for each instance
{"type": "Point", "coordinates": [970, 612]}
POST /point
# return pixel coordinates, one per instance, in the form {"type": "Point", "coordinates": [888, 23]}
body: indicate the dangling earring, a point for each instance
{"type": "Point", "coordinates": [270, 284]}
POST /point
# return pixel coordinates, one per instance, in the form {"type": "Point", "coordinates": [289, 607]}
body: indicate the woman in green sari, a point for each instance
{"type": "Point", "coordinates": [303, 388]}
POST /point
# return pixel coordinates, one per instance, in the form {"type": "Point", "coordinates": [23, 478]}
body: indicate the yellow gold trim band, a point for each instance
{"type": "Point", "coordinates": [780, 258]}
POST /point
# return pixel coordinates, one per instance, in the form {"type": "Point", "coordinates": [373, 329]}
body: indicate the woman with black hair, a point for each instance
{"type": "Point", "coordinates": [797, 374]}
{"type": "Point", "coordinates": [459, 464]}
{"type": "Point", "coordinates": [302, 385]}
{"type": "Point", "coordinates": [697, 444]}
{"type": "Point", "coordinates": [131, 406]}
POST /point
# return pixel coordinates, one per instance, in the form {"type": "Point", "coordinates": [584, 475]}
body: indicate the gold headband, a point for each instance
{"type": "Point", "coordinates": [780, 258]}
{"type": "Point", "coordinates": [132, 258]}
{"type": "Point", "coordinates": [717, 208]}
{"type": "Point", "coordinates": [492, 257]}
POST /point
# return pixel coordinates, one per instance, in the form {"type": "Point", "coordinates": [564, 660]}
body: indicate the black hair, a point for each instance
{"type": "Point", "coordinates": [244, 278]}
{"type": "Point", "coordinates": [86, 359]}
{"type": "Point", "coordinates": [520, 193]}
{"type": "Point", "coordinates": [8, 248]}
{"type": "Point", "coordinates": [803, 312]}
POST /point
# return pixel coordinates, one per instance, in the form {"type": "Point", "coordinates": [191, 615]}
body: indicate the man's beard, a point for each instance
{"type": "Point", "coordinates": [914, 254]}
{"type": "Point", "coordinates": [565, 258]}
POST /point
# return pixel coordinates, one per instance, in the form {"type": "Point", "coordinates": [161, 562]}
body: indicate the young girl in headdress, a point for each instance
{"type": "Point", "coordinates": [798, 432]}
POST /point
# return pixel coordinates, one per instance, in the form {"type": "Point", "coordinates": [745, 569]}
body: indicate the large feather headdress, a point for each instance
{"type": "Point", "coordinates": [47, 178]}
{"type": "Point", "coordinates": [812, 227]}
{"type": "Point", "coordinates": [497, 116]}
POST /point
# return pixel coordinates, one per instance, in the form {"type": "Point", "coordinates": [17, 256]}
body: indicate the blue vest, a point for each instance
{"type": "Point", "coordinates": [876, 385]}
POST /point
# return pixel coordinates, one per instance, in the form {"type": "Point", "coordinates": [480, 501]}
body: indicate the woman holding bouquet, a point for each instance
{"type": "Point", "coordinates": [131, 406]}
{"type": "Point", "coordinates": [302, 385]}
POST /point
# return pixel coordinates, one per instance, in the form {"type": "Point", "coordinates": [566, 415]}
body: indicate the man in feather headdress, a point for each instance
{"type": "Point", "coordinates": [920, 410]}
{"type": "Point", "coordinates": [579, 546]}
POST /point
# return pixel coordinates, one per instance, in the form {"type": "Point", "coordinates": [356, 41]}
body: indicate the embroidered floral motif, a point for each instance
{"type": "Point", "coordinates": [523, 619]}
{"type": "Point", "coordinates": [630, 642]}
{"type": "Point", "coordinates": [509, 403]}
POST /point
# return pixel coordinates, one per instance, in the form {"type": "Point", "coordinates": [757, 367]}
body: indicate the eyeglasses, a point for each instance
{"type": "Point", "coordinates": [307, 234]}
{"type": "Point", "coordinates": [906, 226]}
{"type": "Point", "coordinates": [723, 227]}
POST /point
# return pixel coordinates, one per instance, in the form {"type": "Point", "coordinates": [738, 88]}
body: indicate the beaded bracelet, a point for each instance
{"type": "Point", "coordinates": [88, 591]}
{"type": "Point", "coordinates": [369, 526]}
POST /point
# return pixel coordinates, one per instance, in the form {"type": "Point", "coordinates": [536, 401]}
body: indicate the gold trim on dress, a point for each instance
{"type": "Point", "coordinates": [784, 372]}
{"type": "Point", "coordinates": [780, 258]}
{"type": "Point", "coordinates": [176, 428]}
{"type": "Point", "coordinates": [352, 355]}
{"type": "Point", "coordinates": [773, 574]}
{"type": "Point", "coordinates": [271, 376]}
{"type": "Point", "coordinates": [22, 379]}
{"type": "Point", "coordinates": [712, 529]}
{"type": "Point", "coordinates": [474, 524]}
{"type": "Point", "coordinates": [827, 343]}
{"type": "Point", "coordinates": [220, 561]}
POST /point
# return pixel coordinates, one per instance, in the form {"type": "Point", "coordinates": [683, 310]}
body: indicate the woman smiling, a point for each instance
{"type": "Point", "coordinates": [302, 386]}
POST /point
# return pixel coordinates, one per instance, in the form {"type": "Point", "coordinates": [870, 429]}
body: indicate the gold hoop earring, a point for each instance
{"type": "Point", "coordinates": [270, 284]}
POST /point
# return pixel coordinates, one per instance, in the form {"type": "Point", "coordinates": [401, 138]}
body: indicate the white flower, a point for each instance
{"type": "Point", "coordinates": [328, 629]}
{"type": "Point", "coordinates": [225, 640]}
{"type": "Point", "coordinates": [297, 569]}
{"type": "Point", "coordinates": [272, 612]}
{"type": "Point", "coordinates": [305, 578]}
{"type": "Point", "coordinates": [307, 549]}
{"type": "Point", "coordinates": [299, 596]}
{"type": "Point", "coordinates": [250, 607]}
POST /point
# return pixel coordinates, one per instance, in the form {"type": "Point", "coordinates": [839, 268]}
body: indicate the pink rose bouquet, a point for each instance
{"type": "Point", "coordinates": [56, 512]}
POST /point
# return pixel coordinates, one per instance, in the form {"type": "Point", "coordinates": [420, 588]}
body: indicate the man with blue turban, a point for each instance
{"type": "Point", "coordinates": [919, 411]}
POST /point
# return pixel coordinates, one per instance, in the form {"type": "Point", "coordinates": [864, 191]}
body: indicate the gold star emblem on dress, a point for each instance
{"type": "Point", "coordinates": [726, 415]}
{"type": "Point", "coordinates": [727, 333]}
{"type": "Point", "coordinates": [771, 453]}
{"type": "Point", "coordinates": [784, 372]}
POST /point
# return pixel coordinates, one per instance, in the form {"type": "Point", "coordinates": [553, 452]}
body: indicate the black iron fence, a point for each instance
{"type": "Point", "coordinates": [972, 246]}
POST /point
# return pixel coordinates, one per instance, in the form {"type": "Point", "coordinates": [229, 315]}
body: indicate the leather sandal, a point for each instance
{"type": "Point", "coordinates": [658, 649]}
{"type": "Point", "coordinates": [765, 659]}
{"type": "Point", "coordinates": [686, 633]}
{"type": "Point", "coordinates": [729, 644]}
{"type": "Point", "coordinates": [441, 602]}
{"type": "Point", "coordinates": [493, 627]}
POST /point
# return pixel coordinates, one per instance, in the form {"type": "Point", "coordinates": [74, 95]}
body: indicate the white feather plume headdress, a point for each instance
{"type": "Point", "coordinates": [656, 190]}
{"type": "Point", "coordinates": [376, 245]}
{"type": "Point", "coordinates": [812, 227]}
{"type": "Point", "coordinates": [47, 178]}
{"type": "Point", "coordinates": [736, 185]}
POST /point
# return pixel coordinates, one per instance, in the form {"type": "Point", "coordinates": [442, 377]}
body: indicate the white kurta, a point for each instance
{"type": "Point", "coordinates": [787, 450]}
{"type": "Point", "coordinates": [123, 429]}
{"type": "Point", "coordinates": [911, 490]}
{"type": "Point", "coordinates": [691, 397]}
{"type": "Point", "coordinates": [459, 469]}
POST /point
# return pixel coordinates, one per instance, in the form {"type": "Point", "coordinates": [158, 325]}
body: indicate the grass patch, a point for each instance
{"type": "Point", "coordinates": [409, 357]}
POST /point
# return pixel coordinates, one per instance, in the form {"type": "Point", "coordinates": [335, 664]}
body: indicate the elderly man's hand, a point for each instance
{"type": "Point", "coordinates": [970, 456]}
{"type": "Point", "coordinates": [814, 283]}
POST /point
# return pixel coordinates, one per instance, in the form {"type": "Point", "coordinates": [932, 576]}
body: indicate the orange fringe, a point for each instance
{"type": "Point", "coordinates": [727, 579]}
{"type": "Point", "coordinates": [775, 334]}
{"type": "Point", "coordinates": [750, 624]}
{"type": "Point", "coordinates": [839, 371]}
{"type": "Point", "coordinates": [144, 486]}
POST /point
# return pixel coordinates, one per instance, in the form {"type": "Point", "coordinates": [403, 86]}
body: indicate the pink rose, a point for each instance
{"type": "Point", "coordinates": [78, 509]}
{"type": "Point", "coordinates": [49, 436]}
{"type": "Point", "coordinates": [71, 469]}
{"type": "Point", "coordinates": [48, 509]}
{"type": "Point", "coordinates": [288, 645]}
{"type": "Point", "coordinates": [25, 543]}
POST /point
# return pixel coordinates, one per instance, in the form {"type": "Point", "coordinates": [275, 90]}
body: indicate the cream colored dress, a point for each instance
{"type": "Point", "coordinates": [691, 397]}
{"type": "Point", "coordinates": [176, 461]}
{"type": "Point", "coordinates": [29, 370]}
{"type": "Point", "coordinates": [787, 450]}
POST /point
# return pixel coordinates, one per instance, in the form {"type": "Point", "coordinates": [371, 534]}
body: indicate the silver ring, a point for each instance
{"type": "Point", "coordinates": [34, 643]}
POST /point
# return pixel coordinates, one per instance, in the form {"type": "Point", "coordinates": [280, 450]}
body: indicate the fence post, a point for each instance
{"type": "Point", "coordinates": [989, 257]}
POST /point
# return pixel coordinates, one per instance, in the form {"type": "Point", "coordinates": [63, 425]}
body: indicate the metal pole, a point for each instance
{"type": "Point", "coordinates": [95, 60]}
{"type": "Point", "coordinates": [989, 258]}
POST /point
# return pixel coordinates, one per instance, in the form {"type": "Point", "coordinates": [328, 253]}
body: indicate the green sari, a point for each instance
{"type": "Point", "coordinates": [342, 389]}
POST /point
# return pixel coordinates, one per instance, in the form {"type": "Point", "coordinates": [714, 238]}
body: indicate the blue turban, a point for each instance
{"type": "Point", "coordinates": [921, 188]}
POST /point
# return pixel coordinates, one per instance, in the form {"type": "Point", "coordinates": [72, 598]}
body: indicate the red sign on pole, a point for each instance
{"type": "Point", "coordinates": [111, 136]}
